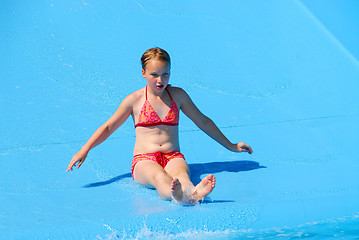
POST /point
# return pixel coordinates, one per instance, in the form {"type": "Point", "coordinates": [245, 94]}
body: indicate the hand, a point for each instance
{"type": "Point", "coordinates": [242, 147]}
{"type": "Point", "coordinates": [77, 158]}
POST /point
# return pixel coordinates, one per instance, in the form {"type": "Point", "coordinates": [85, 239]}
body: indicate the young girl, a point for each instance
{"type": "Point", "coordinates": [155, 109]}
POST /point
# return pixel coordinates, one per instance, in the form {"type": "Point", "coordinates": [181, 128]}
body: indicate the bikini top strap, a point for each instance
{"type": "Point", "coordinates": [166, 90]}
{"type": "Point", "coordinates": [169, 94]}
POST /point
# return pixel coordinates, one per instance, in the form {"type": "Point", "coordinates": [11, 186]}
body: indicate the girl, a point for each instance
{"type": "Point", "coordinates": [155, 109]}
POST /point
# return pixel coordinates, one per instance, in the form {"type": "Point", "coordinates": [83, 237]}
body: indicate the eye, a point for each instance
{"type": "Point", "coordinates": [154, 75]}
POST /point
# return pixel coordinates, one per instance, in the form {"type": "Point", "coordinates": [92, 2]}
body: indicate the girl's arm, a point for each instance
{"type": "Point", "coordinates": [103, 132]}
{"type": "Point", "coordinates": [208, 126]}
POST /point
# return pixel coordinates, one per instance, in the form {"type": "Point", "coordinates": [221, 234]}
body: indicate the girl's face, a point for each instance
{"type": "Point", "coordinates": [157, 74]}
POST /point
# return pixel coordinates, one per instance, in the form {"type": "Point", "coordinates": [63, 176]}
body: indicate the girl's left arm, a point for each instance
{"type": "Point", "coordinates": [208, 126]}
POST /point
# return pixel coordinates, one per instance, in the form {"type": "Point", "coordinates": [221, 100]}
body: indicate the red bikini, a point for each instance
{"type": "Point", "coordinates": [149, 118]}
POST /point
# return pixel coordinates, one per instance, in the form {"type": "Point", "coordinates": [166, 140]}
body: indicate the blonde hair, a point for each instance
{"type": "Point", "coordinates": [155, 53]}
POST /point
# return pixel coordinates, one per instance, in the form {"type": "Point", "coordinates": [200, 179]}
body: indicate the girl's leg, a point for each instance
{"type": "Point", "coordinates": [150, 174]}
{"type": "Point", "coordinates": [178, 168]}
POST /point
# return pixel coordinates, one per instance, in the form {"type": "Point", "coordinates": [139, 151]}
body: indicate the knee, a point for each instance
{"type": "Point", "coordinates": [183, 174]}
{"type": "Point", "coordinates": [161, 177]}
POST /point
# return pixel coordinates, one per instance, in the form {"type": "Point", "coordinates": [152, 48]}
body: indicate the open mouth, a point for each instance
{"type": "Point", "coordinates": [160, 86]}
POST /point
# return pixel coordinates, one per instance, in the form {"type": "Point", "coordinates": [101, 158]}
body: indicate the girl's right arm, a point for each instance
{"type": "Point", "coordinates": [103, 132]}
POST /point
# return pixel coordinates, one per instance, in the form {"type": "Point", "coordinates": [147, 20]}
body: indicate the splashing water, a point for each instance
{"type": "Point", "coordinates": [342, 228]}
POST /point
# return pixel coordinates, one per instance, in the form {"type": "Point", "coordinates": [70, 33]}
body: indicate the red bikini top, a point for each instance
{"type": "Point", "coordinates": [149, 118]}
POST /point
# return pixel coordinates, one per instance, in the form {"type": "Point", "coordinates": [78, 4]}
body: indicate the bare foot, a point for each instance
{"type": "Point", "coordinates": [205, 187]}
{"type": "Point", "coordinates": [176, 190]}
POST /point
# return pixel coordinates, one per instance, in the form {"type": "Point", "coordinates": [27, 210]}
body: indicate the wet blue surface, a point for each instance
{"type": "Point", "coordinates": [278, 75]}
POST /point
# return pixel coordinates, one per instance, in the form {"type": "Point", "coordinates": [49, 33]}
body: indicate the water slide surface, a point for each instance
{"type": "Point", "coordinates": [282, 76]}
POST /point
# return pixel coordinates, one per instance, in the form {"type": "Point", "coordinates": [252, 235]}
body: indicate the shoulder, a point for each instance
{"type": "Point", "coordinates": [177, 92]}
{"type": "Point", "coordinates": [134, 98]}
{"type": "Point", "coordinates": [179, 95]}
{"type": "Point", "coordinates": [137, 95]}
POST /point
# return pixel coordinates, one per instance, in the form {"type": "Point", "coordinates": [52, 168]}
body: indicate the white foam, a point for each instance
{"type": "Point", "coordinates": [344, 228]}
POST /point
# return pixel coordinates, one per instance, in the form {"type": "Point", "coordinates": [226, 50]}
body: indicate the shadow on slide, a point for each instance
{"type": "Point", "coordinates": [197, 170]}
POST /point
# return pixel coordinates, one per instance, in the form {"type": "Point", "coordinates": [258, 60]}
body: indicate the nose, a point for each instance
{"type": "Point", "coordinates": [160, 79]}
